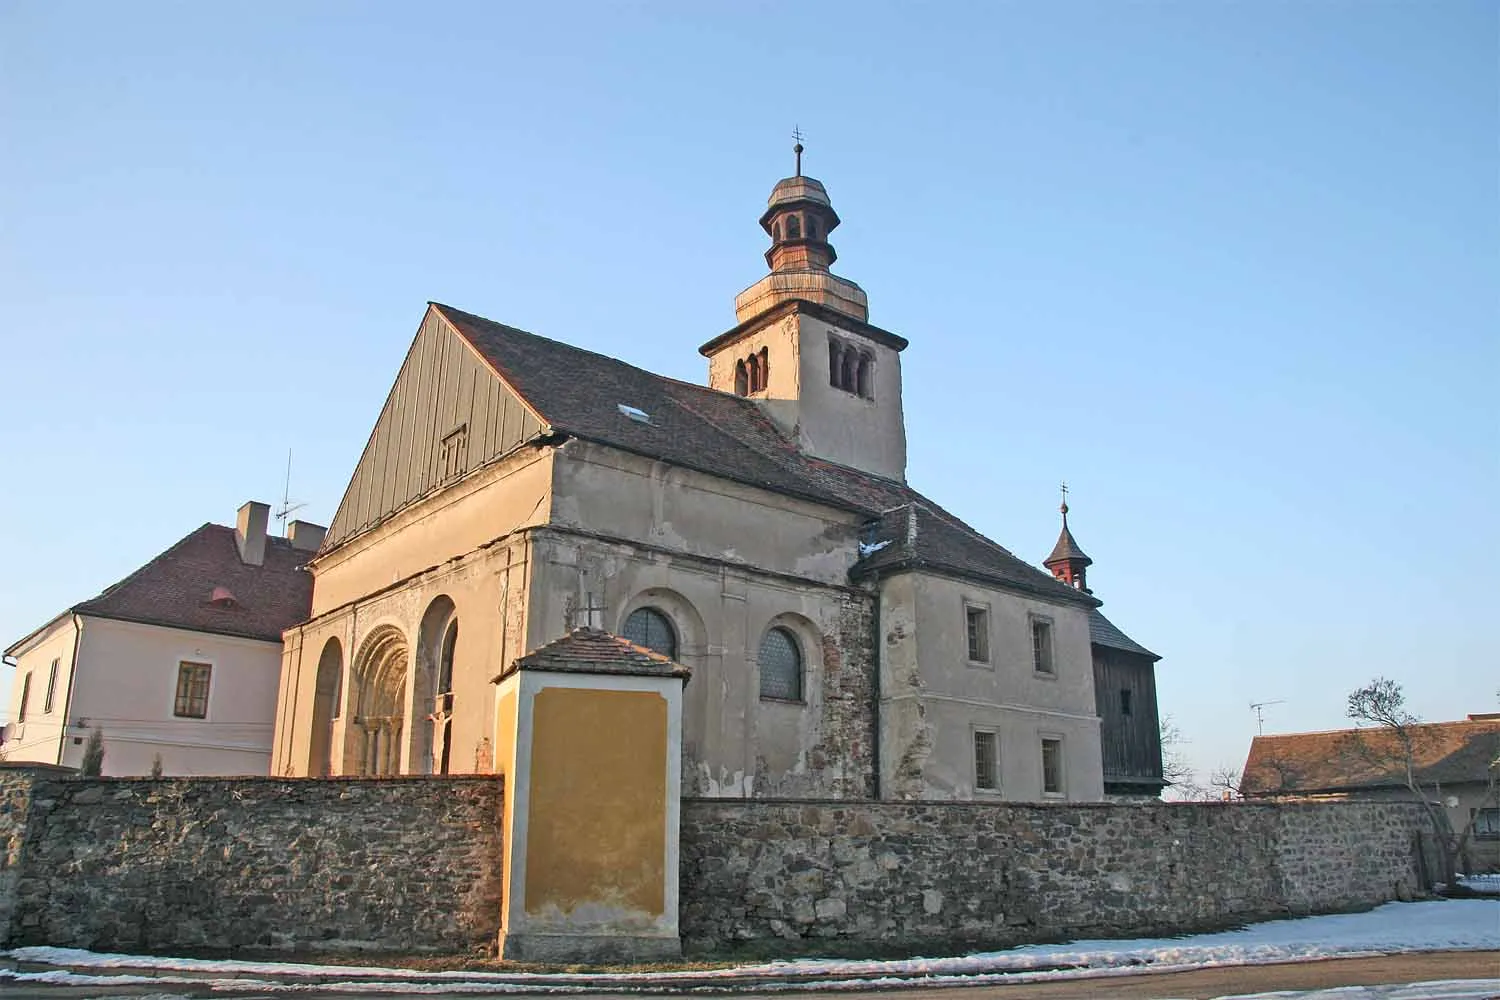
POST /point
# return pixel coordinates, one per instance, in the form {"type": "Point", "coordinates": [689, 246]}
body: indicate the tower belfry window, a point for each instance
{"type": "Point", "coordinates": [793, 227]}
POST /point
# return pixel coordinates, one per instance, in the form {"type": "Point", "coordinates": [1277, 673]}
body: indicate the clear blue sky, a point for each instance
{"type": "Point", "coordinates": [1228, 268]}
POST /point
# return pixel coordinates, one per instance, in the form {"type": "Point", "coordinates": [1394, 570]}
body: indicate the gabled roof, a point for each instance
{"type": "Point", "coordinates": [581, 393]}
{"type": "Point", "coordinates": [177, 588]}
{"type": "Point", "coordinates": [1343, 760]}
{"type": "Point", "coordinates": [593, 651]}
{"type": "Point", "coordinates": [1103, 632]}
{"type": "Point", "coordinates": [917, 536]}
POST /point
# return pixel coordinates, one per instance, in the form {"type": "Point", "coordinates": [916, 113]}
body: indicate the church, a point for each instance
{"type": "Point", "coordinates": [846, 637]}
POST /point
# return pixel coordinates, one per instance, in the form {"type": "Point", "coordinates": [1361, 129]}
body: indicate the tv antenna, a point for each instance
{"type": "Point", "coordinates": [1259, 708]}
{"type": "Point", "coordinates": [287, 507]}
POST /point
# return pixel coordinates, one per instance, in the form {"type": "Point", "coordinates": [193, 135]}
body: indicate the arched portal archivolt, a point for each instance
{"type": "Point", "coordinates": [327, 695]}
{"type": "Point", "coordinates": [380, 711]}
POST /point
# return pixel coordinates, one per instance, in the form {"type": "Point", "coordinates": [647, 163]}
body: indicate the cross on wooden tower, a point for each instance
{"type": "Point", "coordinates": [797, 138]}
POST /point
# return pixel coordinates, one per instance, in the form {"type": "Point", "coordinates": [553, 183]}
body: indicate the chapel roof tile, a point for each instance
{"type": "Point", "coordinates": [1343, 760]}
{"type": "Point", "coordinates": [1103, 632]}
{"type": "Point", "coordinates": [593, 651]}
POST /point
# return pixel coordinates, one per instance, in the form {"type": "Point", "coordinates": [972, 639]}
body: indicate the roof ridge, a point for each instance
{"type": "Point", "coordinates": [148, 564]}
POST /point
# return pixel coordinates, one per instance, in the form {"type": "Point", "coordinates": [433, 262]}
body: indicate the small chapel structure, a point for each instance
{"type": "Point", "coordinates": [845, 636]}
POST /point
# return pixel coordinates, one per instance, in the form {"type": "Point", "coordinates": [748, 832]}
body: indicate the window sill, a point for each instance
{"type": "Point", "coordinates": [784, 701]}
{"type": "Point", "coordinates": [980, 664]}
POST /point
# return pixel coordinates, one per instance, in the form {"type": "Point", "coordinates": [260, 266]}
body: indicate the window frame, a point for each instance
{"type": "Point", "coordinates": [1127, 697]}
{"type": "Point", "coordinates": [1486, 823]}
{"type": "Point", "coordinates": [51, 686]}
{"type": "Point", "coordinates": [975, 734]}
{"type": "Point", "coordinates": [666, 617]}
{"type": "Point", "coordinates": [1054, 740]}
{"type": "Point", "coordinates": [981, 608]}
{"type": "Point", "coordinates": [184, 700]}
{"type": "Point", "coordinates": [24, 705]}
{"type": "Point", "coordinates": [801, 662]}
{"type": "Point", "coordinates": [1050, 632]}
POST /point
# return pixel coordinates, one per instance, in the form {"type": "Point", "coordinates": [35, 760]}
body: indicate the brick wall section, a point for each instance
{"type": "Point", "coordinates": [408, 864]}
{"type": "Point", "coordinates": [867, 876]}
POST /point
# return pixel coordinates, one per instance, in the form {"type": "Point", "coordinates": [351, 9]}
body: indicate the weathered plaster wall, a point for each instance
{"type": "Point", "coordinates": [337, 865]}
{"type": "Point", "coordinates": [934, 698]}
{"type": "Point", "coordinates": [866, 876]}
{"type": "Point", "coordinates": [40, 737]}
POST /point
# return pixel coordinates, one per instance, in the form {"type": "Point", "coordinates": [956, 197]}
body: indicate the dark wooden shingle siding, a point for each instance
{"type": "Point", "coordinates": [442, 387]}
{"type": "Point", "coordinates": [1131, 745]}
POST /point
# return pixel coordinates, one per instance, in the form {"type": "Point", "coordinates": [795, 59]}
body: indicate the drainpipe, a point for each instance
{"type": "Point", "coordinates": [875, 663]}
{"type": "Point", "coordinates": [62, 740]}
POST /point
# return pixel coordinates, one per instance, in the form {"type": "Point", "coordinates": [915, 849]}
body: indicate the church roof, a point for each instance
{"type": "Point", "coordinates": [1103, 632]}
{"type": "Point", "coordinates": [918, 535]}
{"type": "Point", "coordinates": [201, 584]}
{"type": "Point", "coordinates": [593, 651]}
{"type": "Point", "coordinates": [603, 399]}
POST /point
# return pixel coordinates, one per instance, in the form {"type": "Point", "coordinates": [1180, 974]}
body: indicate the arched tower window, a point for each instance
{"type": "Point", "coordinates": [753, 367]}
{"type": "Point", "coordinates": [848, 371]}
{"type": "Point", "coordinates": [764, 368]}
{"type": "Point", "coordinates": [812, 227]}
{"type": "Point", "coordinates": [834, 365]}
{"type": "Point", "coordinates": [650, 628]}
{"type": "Point", "coordinates": [862, 376]}
{"type": "Point", "coordinates": [776, 231]}
{"type": "Point", "coordinates": [780, 666]}
{"type": "Point", "coordinates": [793, 227]}
{"type": "Point", "coordinates": [741, 378]}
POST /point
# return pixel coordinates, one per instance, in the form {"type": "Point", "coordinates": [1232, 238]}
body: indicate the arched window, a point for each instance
{"type": "Point", "coordinates": [650, 628]}
{"type": "Point", "coordinates": [764, 368]}
{"type": "Point", "coordinates": [753, 367]}
{"type": "Point", "coordinates": [776, 231]}
{"type": "Point", "coordinates": [848, 376]}
{"type": "Point", "coordinates": [812, 227]}
{"type": "Point", "coordinates": [863, 387]}
{"type": "Point", "coordinates": [780, 666]}
{"type": "Point", "coordinates": [443, 713]}
{"type": "Point", "coordinates": [834, 367]}
{"type": "Point", "coordinates": [741, 378]}
{"type": "Point", "coordinates": [793, 227]}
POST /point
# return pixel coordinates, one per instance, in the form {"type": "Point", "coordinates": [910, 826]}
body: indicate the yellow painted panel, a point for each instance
{"type": "Point", "coordinates": [597, 825]}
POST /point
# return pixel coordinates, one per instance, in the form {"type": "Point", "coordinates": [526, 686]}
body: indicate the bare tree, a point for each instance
{"type": "Point", "coordinates": [1175, 769]}
{"type": "Point", "coordinates": [1226, 782]}
{"type": "Point", "coordinates": [93, 754]}
{"type": "Point", "coordinates": [1382, 704]}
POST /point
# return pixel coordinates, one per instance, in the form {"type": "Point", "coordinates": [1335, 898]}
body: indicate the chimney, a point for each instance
{"type": "Point", "coordinates": [305, 536]}
{"type": "Point", "coordinates": [250, 532]}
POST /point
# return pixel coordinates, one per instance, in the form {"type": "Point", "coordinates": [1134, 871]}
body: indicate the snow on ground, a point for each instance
{"type": "Point", "coordinates": [1468, 924]}
{"type": "Point", "coordinates": [1487, 884]}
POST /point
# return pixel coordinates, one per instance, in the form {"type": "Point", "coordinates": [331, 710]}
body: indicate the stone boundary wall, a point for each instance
{"type": "Point", "coordinates": [866, 877]}
{"type": "Point", "coordinates": [339, 864]}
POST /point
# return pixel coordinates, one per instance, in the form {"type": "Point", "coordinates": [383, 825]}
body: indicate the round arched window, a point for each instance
{"type": "Point", "coordinates": [780, 666]}
{"type": "Point", "coordinates": [650, 628]}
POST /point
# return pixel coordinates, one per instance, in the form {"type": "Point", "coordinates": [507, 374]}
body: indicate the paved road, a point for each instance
{"type": "Point", "coordinates": [1201, 984]}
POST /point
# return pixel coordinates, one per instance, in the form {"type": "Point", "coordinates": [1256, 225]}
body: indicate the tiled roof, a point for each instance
{"type": "Point", "coordinates": [581, 393]}
{"type": "Point", "coordinates": [176, 588]}
{"type": "Point", "coordinates": [1067, 547]}
{"type": "Point", "coordinates": [592, 651]}
{"type": "Point", "coordinates": [1349, 759]}
{"type": "Point", "coordinates": [1102, 632]}
{"type": "Point", "coordinates": [918, 536]}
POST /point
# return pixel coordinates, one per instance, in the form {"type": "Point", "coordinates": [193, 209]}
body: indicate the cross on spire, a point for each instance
{"type": "Point", "coordinates": [797, 138]}
{"type": "Point", "coordinates": [1064, 507]}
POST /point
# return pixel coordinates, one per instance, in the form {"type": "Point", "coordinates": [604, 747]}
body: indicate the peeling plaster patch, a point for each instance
{"type": "Point", "coordinates": [726, 786]}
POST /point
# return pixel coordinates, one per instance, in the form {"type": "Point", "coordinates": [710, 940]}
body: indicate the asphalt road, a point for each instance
{"type": "Point", "coordinates": [1202, 984]}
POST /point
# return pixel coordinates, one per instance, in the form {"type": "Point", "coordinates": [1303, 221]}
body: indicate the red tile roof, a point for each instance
{"type": "Point", "coordinates": [1344, 760]}
{"type": "Point", "coordinates": [177, 588]}
{"type": "Point", "coordinates": [592, 651]}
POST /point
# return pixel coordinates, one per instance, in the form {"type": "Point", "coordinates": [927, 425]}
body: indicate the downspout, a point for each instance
{"type": "Point", "coordinates": [876, 665]}
{"type": "Point", "coordinates": [62, 739]}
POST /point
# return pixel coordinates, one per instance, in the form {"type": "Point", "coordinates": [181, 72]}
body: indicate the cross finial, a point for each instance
{"type": "Point", "coordinates": [797, 138]}
{"type": "Point", "coordinates": [1064, 507]}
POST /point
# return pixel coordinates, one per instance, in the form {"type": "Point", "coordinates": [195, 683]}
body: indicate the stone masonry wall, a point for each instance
{"type": "Point", "coordinates": [131, 864]}
{"type": "Point", "coordinates": [863, 876]}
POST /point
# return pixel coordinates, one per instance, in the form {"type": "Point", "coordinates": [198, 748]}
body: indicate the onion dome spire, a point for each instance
{"type": "Point", "coordinates": [1068, 562]}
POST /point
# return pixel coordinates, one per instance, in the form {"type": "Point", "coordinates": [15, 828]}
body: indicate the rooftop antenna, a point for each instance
{"type": "Point", "coordinates": [287, 507]}
{"type": "Point", "coordinates": [797, 138]}
{"type": "Point", "coordinates": [1259, 708]}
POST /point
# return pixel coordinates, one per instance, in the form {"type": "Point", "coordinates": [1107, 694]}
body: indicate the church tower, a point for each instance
{"type": "Point", "coordinates": [1067, 561]}
{"type": "Point", "coordinates": [804, 347]}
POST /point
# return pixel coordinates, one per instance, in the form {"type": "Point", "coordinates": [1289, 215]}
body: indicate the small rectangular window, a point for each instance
{"type": "Point", "coordinates": [453, 454]}
{"type": "Point", "coordinates": [1052, 767]}
{"type": "Point", "coordinates": [25, 697]}
{"type": "Point", "coordinates": [1041, 646]}
{"type": "Point", "coordinates": [1125, 702]}
{"type": "Point", "coordinates": [977, 621]}
{"type": "Point", "coordinates": [1487, 824]}
{"type": "Point", "coordinates": [986, 762]}
{"type": "Point", "coordinates": [51, 687]}
{"type": "Point", "coordinates": [192, 690]}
